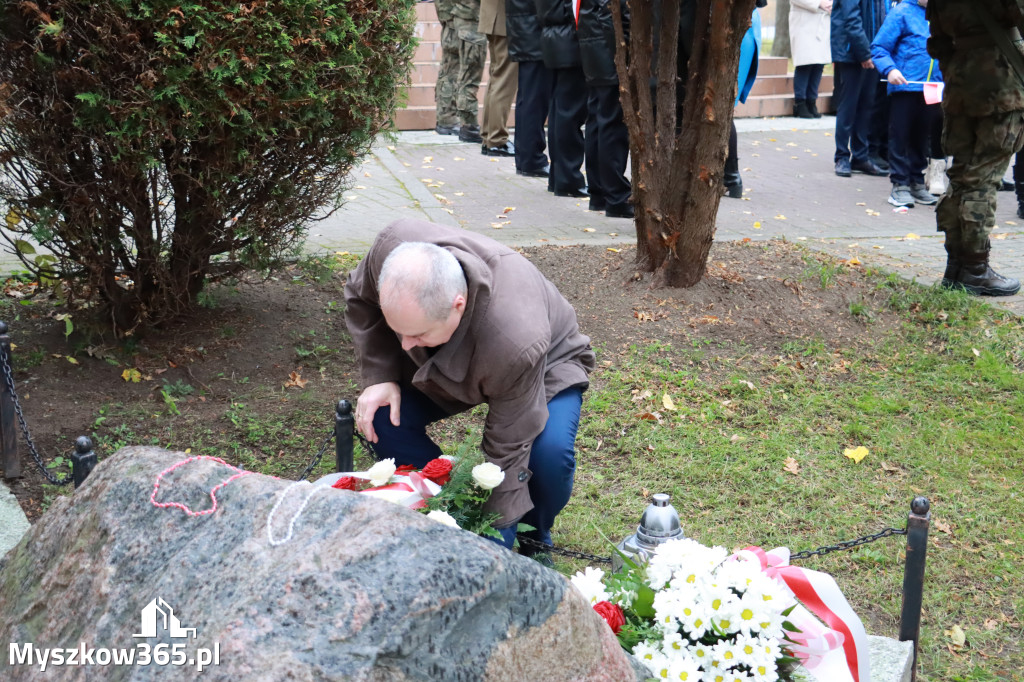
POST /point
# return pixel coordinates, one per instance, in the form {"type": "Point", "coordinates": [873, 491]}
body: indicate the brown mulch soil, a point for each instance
{"type": "Point", "coordinates": [754, 298]}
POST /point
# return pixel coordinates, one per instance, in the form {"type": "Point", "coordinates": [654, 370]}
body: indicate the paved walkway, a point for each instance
{"type": "Point", "coordinates": [791, 193]}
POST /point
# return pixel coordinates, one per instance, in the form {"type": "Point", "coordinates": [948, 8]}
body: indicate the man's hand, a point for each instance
{"type": "Point", "coordinates": [867, 64]}
{"type": "Point", "coordinates": [372, 398]}
{"type": "Point", "coordinates": [826, 6]}
{"type": "Point", "coordinates": [896, 78]}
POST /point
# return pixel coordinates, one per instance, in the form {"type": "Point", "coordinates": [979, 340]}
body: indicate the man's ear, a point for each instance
{"type": "Point", "coordinates": [459, 304]}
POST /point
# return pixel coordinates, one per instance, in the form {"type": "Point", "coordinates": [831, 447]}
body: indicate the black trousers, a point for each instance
{"type": "Point", "coordinates": [607, 147]}
{"type": "Point", "coordinates": [566, 117]}
{"type": "Point", "coordinates": [911, 122]}
{"type": "Point", "coordinates": [533, 99]}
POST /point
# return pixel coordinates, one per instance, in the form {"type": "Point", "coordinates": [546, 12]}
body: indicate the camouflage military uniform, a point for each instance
{"type": "Point", "coordinates": [448, 72]}
{"type": "Point", "coordinates": [463, 51]}
{"type": "Point", "coordinates": [472, 53]}
{"type": "Point", "coordinates": [983, 105]}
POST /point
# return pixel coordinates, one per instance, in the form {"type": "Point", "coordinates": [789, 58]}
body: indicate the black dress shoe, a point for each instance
{"type": "Point", "coordinates": [577, 193]}
{"type": "Point", "coordinates": [597, 204]}
{"type": "Point", "coordinates": [624, 211]}
{"type": "Point", "coordinates": [538, 173]}
{"type": "Point", "coordinates": [507, 149]}
{"type": "Point", "coordinates": [452, 129]}
{"type": "Point", "coordinates": [865, 166]}
{"type": "Point", "coordinates": [470, 133]}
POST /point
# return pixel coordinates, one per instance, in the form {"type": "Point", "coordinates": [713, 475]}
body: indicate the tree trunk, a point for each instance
{"type": "Point", "coordinates": [678, 157]}
{"type": "Point", "coordinates": [780, 45]}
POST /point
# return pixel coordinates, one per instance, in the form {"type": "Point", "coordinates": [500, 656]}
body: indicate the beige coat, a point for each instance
{"type": "Point", "coordinates": [517, 346]}
{"type": "Point", "coordinates": [492, 17]}
{"type": "Point", "coordinates": [809, 33]}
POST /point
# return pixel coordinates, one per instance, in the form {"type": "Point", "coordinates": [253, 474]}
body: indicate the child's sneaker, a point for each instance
{"type": "Point", "coordinates": [922, 195]}
{"type": "Point", "coordinates": [901, 196]}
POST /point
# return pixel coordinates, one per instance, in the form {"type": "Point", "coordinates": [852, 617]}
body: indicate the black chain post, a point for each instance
{"type": "Point", "coordinates": [344, 430]}
{"type": "Point", "coordinates": [83, 461]}
{"type": "Point", "coordinates": [8, 427]}
{"type": "Point", "coordinates": [913, 574]}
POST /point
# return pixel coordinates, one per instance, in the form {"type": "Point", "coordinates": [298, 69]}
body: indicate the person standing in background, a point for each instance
{"type": "Point", "coordinates": [608, 138]}
{"type": "Point", "coordinates": [472, 54]}
{"type": "Point", "coordinates": [568, 113]}
{"type": "Point", "coordinates": [900, 53]}
{"type": "Point", "coordinates": [501, 84]}
{"type": "Point", "coordinates": [533, 94]}
{"type": "Point", "coordinates": [810, 28]}
{"type": "Point", "coordinates": [983, 111]}
{"type": "Point", "coordinates": [447, 72]}
{"type": "Point", "coordinates": [854, 25]}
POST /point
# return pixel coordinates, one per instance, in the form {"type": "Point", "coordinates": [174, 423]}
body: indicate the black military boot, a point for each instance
{"type": "Point", "coordinates": [1018, 188]}
{"type": "Point", "coordinates": [971, 272]}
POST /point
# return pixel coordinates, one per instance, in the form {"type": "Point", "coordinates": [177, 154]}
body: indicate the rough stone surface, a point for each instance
{"type": "Point", "coordinates": [13, 523]}
{"type": "Point", "coordinates": [891, 661]}
{"type": "Point", "coordinates": [364, 590]}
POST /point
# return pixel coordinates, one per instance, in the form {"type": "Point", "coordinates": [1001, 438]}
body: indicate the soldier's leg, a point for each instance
{"type": "Point", "coordinates": [981, 148]}
{"type": "Point", "coordinates": [501, 90]}
{"type": "Point", "coordinates": [444, 89]}
{"type": "Point", "coordinates": [472, 54]}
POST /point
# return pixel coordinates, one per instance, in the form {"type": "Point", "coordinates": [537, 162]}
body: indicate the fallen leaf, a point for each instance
{"type": "Point", "coordinates": [956, 636]}
{"type": "Point", "coordinates": [458, 158]}
{"type": "Point", "coordinates": [589, 229]}
{"type": "Point", "coordinates": [853, 261]}
{"type": "Point", "coordinates": [666, 401]}
{"type": "Point", "coordinates": [71, 359]}
{"type": "Point", "coordinates": [614, 250]}
{"type": "Point", "coordinates": [977, 353]}
{"type": "Point", "coordinates": [748, 385]}
{"type": "Point", "coordinates": [295, 379]}
{"type": "Point", "coordinates": [942, 526]}
{"type": "Point", "coordinates": [861, 203]}
{"type": "Point", "coordinates": [649, 417]}
{"type": "Point", "coordinates": [780, 217]}
{"type": "Point", "coordinates": [428, 159]}
{"type": "Point", "coordinates": [856, 454]}
{"type": "Point", "coordinates": [889, 469]}
{"type": "Point", "coordinates": [133, 375]}
{"type": "Point", "coordinates": [757, 225]}
{"type": "Point", "coordinates": [509, 209]}
{"type": "Point", "coordinates": [791, 466]}
{"type": "Point", "coordinates": [991, 624]}
{"type": "Point", "coordinates": [911, 235]}
{"type": "Point", "coordinates": [644, 395]}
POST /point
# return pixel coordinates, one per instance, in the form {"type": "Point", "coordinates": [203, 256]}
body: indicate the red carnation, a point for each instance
{"type": "Point", "coordinates": [406, 468]}
{"type": "Point", "coordinates": [345, 483]}
{"type": "Point", "coordinates": [612, 615]}
{"type": "Point", "coordinates": [438, 470]}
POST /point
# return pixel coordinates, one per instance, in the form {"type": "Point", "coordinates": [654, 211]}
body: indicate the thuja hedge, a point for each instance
{"type": "Point", "coordinates": [154, 146]}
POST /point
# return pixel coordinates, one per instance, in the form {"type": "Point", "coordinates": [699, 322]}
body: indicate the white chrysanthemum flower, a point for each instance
{"type": "Point", "coordinates": [720, 604]}
{"type": "Point", "coordinates": [702, 654]}
{"type": "Point", "coordinates": [774, 593]}
{"type": "Point", "coordinates": [685, 669]}
{"type": "Point", "coordinates": [748, 649]}
{"type": "Point", "coordinates": [442, 517]}
{"type": "Point", "coordinates": [769, 623]}
{"type": "Point", "coordinates": [381, 472]}
{"type": "Point", "coordinates": [764, 670]}
{"type": "Point", "coordinates": [737, 574]}
{"type": "Point", "coordinates": [726, 654]}
{"type": "Point", "coordinates": [769, 648]}
{"type": "Point", "coordinates": [750, 613]}
{"type": "Point", "coordinates": [692, 614]}
{"type": "Point", "coordinates": [590, 583]}
{"type": "Point", "coordinates": [659, 665]}
{"type": "Point", "coordinates": [645, 653]}
{"type": "Point", "coordinates": [684, 557]}
{"type": "Point", "coordinates": [674, 644]}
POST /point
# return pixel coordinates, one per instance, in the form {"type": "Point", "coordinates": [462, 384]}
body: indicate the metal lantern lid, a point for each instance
{"type": "Point", "coordinates": [659, 523]}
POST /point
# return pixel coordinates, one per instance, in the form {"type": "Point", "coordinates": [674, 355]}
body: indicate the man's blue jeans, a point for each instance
{"type": "Point", "coordinates": [552, 458]}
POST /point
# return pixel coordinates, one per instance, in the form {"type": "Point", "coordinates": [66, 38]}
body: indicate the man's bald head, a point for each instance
{"type": "Point", "coordinates": [424, 273]}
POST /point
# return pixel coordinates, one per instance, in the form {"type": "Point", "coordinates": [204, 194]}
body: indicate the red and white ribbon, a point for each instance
{"type": "Point", "coordinates": [837, 653]}
{"type": "Point", "coordinates": [409, 490]}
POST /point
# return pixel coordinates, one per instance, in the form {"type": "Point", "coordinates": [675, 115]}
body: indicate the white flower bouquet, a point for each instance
{"type": "Point", "coordinates": [695, 613]}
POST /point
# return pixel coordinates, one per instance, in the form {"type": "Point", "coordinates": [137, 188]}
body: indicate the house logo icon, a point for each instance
{"type": "Point", "coordinates": [157, 615]}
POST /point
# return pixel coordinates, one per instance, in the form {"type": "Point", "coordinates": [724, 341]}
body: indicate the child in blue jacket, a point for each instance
{"type": "Point", "coordinates": [900, 53]}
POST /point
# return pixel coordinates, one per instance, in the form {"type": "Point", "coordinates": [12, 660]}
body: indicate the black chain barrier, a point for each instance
{"type": "Point", "coordinates": [316, 458]}
{"type": "Point", "coordinates": [9, 380]}
{"type": "Point", "coordinates": [532, 544]}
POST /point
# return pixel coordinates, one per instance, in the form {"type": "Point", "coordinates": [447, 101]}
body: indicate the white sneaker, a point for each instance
{"type": "Point", "coordinates": [901, 196]}
{"type": "Point", "coordinates": [935, 177]}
